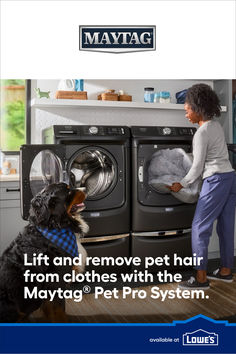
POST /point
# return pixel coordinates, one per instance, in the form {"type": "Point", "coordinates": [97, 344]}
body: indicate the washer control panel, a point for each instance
{"type": "Point", "coordinates": [102, 130]}
{"type": "Point", "coordinates": [88, 130]}
{"type": "Point", "coordinates": [93, 130]}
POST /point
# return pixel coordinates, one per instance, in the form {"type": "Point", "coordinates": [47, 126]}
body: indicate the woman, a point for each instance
{"type": "Point", "coordinates": [218, 194]}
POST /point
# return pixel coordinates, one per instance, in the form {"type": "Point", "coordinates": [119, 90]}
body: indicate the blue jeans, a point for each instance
{"type": "Point", "coordinates": [217, 201]}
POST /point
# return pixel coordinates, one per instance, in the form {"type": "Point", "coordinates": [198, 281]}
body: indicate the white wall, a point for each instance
{"type": "Point", "coordinates": [113, 116]}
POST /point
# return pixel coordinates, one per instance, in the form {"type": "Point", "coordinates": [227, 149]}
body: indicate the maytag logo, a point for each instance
{"type": "Point", "coordinates": [200, 337]}
{"type": "Point", "coordinates": [117, 39]}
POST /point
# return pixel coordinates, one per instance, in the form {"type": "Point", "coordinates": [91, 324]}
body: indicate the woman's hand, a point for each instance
{"type": "Point", "coordinates": [175, 187]}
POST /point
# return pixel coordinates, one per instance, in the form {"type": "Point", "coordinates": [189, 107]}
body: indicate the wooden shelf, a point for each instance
{"type": "Point", "coordinates": [50, 103]}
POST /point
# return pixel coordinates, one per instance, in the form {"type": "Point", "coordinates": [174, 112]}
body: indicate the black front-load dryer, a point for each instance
{"type": "Point", "coordinates": [161, 224]}
{"type": "Point", "coordinates": [94, 157]}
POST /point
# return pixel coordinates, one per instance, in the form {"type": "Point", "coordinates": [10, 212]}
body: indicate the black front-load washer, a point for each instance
{"type": "Point", "coordinates": [161, 224]}
{"type": "Point", "coordinates": [94, 157]}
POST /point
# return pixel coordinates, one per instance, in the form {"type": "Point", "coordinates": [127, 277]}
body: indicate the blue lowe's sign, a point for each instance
{"type": "Point", "coordinates": [186, 336]}
{"type": "Point", "coordinates": [200, 337]}
{"type": "Point", "coordinates": [117, 39]}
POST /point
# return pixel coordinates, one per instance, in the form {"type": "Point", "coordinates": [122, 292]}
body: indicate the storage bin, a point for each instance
{"type": "Point", "coordinates": [125, 98]}
{"type": "Point", "coordinates": [108, 95]}
{"type": "Point", "coordinates": [75, 95]}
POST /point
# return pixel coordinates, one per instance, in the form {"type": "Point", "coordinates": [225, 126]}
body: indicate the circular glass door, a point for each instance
{"type": "Point", "coordinates": [150, 191]}
{"type": "Point", "coordinates": [45, 169]}
{"type": "Point", "coordinates": [95, 169]}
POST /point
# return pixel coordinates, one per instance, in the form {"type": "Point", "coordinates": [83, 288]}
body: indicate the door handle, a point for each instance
{"type": "Point", "coordinates": [12, 189]}
{"type": "Point", "coordinates": [140, 174]}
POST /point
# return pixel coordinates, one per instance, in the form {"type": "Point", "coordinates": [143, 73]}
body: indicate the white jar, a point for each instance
{"type": "Point", "coordinates": [164, 97]}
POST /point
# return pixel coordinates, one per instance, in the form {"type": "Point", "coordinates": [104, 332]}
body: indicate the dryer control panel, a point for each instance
{"type": "Point", "coordinates": [163, 131]}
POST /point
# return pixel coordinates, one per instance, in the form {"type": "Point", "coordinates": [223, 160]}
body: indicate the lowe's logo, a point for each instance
{"type": "Point", "coordinates": [117, 39]}
{"type": "Point", "coordinates": [200, 337]}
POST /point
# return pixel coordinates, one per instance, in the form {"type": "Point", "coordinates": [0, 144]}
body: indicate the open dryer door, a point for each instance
{"type": "Point", "coordinates": [40, 165]}
{"type": "Point", "coordinates": [147, 194]}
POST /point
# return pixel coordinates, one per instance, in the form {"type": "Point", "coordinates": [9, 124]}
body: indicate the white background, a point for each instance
{"type": "Point", "coordinates": [195, 39]}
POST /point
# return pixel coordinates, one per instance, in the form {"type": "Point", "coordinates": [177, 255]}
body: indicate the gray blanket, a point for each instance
{"type": "Point", "coordinates": [171, 165]}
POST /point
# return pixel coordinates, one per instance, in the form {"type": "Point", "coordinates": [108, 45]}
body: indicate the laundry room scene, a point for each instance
{"type": "Point", "coordinates": [119, 150]}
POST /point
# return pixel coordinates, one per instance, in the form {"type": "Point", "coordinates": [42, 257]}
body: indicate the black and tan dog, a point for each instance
{"type": "Point", "coordinates": [56, 208]}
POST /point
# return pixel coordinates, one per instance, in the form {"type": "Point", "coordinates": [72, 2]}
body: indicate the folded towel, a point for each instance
{"type": "Point", "coordinates": [171, 165]}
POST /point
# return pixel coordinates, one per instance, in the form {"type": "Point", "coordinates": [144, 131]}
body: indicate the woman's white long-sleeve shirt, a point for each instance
{"type": "Point", "coordinates": [210, 153]}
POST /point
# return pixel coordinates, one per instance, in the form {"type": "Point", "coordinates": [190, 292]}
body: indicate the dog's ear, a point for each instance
{"type": "Point", "coordinates": [39, 208]}
{"type": "Point", "coordinates": [52, 203]}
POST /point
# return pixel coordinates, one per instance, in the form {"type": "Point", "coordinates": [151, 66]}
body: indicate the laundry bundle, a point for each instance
{"type": "Point", "coordinates": [168, 166]}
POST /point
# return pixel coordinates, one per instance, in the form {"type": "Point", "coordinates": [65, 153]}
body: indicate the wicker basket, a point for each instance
{"type": "Point", "coordinates": [125, 98]}
{"type": "Point", "coordinates": [108, 95]}
{"type": "Point", "coordinates": [76, 95]}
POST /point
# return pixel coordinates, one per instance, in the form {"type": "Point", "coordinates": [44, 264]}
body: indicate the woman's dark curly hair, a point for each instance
{"type": "Point", "coordinates": [203, 100]}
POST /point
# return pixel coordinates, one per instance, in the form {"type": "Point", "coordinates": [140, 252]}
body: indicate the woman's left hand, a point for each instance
{"type": "Point", "coordinates": [175, 187]}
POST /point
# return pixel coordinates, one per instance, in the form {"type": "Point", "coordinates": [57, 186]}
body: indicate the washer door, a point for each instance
{"type": "Point", "coordinates": [40, 166]}
{"type": "Point", "coordinates": [46, 169]}
{"type": "Point", "coordinates": [146, 194]}
{"type": "Point", "coordinates": [95, 169]}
